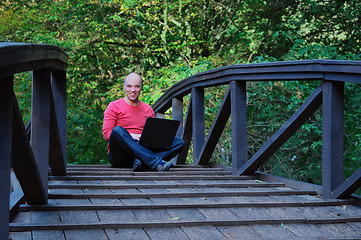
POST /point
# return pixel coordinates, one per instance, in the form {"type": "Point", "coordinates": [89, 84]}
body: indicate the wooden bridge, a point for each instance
{"type": "Point", "coordinates": [198, 201]}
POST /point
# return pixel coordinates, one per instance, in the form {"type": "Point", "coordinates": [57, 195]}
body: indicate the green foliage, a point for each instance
{"type": "Point", "coordinates": [167, 41]}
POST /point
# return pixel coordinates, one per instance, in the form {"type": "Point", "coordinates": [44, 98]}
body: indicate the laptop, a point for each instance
{"type": "Point", "coordinates": [159, 133]}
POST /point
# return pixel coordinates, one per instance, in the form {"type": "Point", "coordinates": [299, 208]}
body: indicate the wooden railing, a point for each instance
{"type": "Point", "coordinates": [46, 151]}
{"type": "Point", "coordinates": [330, 94]}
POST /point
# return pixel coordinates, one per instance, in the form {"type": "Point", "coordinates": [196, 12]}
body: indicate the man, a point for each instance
{"type": "Point", "coordinates": [123, 123]}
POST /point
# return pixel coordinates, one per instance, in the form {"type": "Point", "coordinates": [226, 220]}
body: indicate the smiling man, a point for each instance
{"type": "Point", "coordinates": [123, 125]}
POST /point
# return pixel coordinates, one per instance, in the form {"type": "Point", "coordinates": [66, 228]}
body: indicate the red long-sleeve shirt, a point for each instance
{"type": "Point", "coordinates": [132, 118]}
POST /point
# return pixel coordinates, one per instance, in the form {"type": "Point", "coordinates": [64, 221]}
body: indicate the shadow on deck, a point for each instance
{"type": "Point", "coordinates": [187, 202]}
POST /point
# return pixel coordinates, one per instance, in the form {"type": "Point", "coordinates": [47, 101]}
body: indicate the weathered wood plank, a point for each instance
{"type": "Point", "coordinates": [340, 231]}
{"type": "Point", "coordinates": [186, 134]}
{"type": "Point", "coordinates": [218, 214]}
{"type": "Point", "coordinates": [155, 177]}
{"type": "Point", "coordinates": [40, 122]}
{"type": "Point", "coordinates": [126, 234]}
{"type": "Point", "coordinates": [46, 235]}
{"type": "Point", "coordinates": [239, 125]}
{"type": "Point", "coordinates": [271, 231]}
{"type": "Point", "coordinates": [203, 232]}
{"type": "Point", "coordinates": [44, 217]}
{"type": "Point", "coordinates": [6, 89]}
{"type": "Point", "coordinates": [177, 113]}
{"type": "Point", "coordinates": [181, 194]}
{"type": "Point", "coordinates": [123, 216]}
{"type": "Point", "coordinates": [93, 234]}
{"type": "Point", "coordinates": [307, 231]}
{"type": "Point", "coordinates": [20, 235]}
{"type": "Point", "coordinates": [198, 122]}
{"type": "Point", "coordinates": [152, 215]}
{"type": "Point", "coordinates": [332, 136]}
{"type": "Point", "coordinates": [58, 118]}
{"type": "Point", "coordinates": [239, 232]}
{"type": "Point", "coordinates": [171, 203]}
{"type": "Point", "coordinates": [79, 217]}
{"type": "Point", "coordinates": [166, 233]}
{"type": "Point", "coordinates": [105, 173]}
{"type": "Point", "coordinates": [165, 184]}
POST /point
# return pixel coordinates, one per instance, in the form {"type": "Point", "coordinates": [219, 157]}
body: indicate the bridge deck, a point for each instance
{"type": "Point", "coordinates": [99, 202]}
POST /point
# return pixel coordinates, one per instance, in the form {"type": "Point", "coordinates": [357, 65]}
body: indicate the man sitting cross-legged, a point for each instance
{"type": "Point", "coordinates": [122, 127]}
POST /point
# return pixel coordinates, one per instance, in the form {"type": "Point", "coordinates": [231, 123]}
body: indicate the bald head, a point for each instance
{"type": "Point", "coordinates": [133, 76]}
{"type": "Point", "coordinates": [133, 86]}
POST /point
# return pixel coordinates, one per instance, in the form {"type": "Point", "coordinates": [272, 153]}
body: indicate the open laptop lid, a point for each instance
{"type": "Point", "coordinates": [158, 132]}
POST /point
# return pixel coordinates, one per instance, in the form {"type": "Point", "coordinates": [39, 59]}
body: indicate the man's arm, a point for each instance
{"type": "Point", "coordinates": [109, 121]}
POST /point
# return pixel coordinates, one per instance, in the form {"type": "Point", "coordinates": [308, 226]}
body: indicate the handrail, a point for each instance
{"type": "Point", "coordinates": [330, 94]}
{"type": "Point", "coordinates": [46, 149]}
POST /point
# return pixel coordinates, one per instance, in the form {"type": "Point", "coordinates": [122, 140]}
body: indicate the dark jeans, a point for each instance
{"type": "Point", "coordinates": [124, 149]}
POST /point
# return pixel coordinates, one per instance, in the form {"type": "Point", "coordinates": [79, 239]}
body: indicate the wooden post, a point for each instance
{"type": "Point", "coordinates": [186, 135]}
{"type": "Point", "coordinates": [58, 124]}
{"type": "Point", "coordinates": [332, 137]}
{"type": "Point", "coordinates": [40, 121]}
{"type": "Point", "coordinates": [6, 88]}
{"type": "Point", "coordinates": [239, 125]}
{"type": "Point", "coordinates": [177, 113]}
{"type": "Point", "coordinates": [198, 122]}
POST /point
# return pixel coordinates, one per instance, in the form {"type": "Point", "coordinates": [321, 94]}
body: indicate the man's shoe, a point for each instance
{"type": "Point", "coordinates": [163, 166]}
{"type": "Point", "coordinates": [137, 165]}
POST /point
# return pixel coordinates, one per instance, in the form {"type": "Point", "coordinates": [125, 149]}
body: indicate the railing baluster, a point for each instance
{"type": "Point", "coordinates": [40, 121]}
{"type": "Point", "coordinates": [186, 134]}
{"type": "Point", "coordinates": [177, 113]}
{"type": "Point", "coordinates": [58, 124]}
{"type": "Point", "coordinates": [6, 88]}
{"type": "Point", "coordinates": [332, 136]}
{"type": "Point", "coordinates": [239, 125]}
{"type": "Point", "coordinates": [216, 129]}
{"type": "Point", "coordinates": [198, 122]}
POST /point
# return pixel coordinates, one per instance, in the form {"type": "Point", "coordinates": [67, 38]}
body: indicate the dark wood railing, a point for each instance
{"type": "Point", "coordinates": [30, 160]}
{"type": "Point", "coordinates": [330, 94]}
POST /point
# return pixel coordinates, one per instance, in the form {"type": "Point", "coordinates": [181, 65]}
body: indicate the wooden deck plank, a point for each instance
{"type": "Point", "coordinates": [152, 215]}
{"type": "Point", "coordinates": [340, 231]}
{"type": "Point", "coordinates": [22, 217]}
{"type": "Point", "coordinates": [186, 214]}
{"type": "Point", "coordinates": [137, 201]}
{"type": "Point", "coordinates": [239, 232]}
{"type": "Point", "coordinates": [274, 231]}
{"type": "Point", "coordinates": [179, 194]}
{"type": "Point", "coordinates": [46, 235]}
{"type": "Point", "coordinates": [126, 234]}
{"type": "Point", "coordinates": [105, 202]}
{"type": "Point", "coordinates": [93, 234]}
{"type": "Point", "coordinates": [79, 216]}
{"type": "Point", "coordinates": [307, 231]}
{"type": "Point", "coordinates": [148, 178]}
{"type": "Point", "coordinates": [219, 214]}
{"type": "Point", "coordinates": [166, 233]}
{"type": "Point", "coordinates": [116, 216]}
{"type": "Point", "coordinates": [20, 235]}
{"type": "Point", "coordinates": [203, 232]}
{"type": "Point", "coordinates": [44, 217]}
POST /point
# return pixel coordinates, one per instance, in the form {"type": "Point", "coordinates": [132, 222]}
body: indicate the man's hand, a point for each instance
{"type": "Point", "coordinates": [136, 136]}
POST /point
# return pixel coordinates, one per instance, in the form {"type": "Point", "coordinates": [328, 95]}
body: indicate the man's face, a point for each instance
{"type": "Point", "coordinates": [133, 87]}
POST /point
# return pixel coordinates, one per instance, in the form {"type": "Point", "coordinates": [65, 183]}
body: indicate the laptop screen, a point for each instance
{"type": "Point", "coordinates": [159, 133]}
